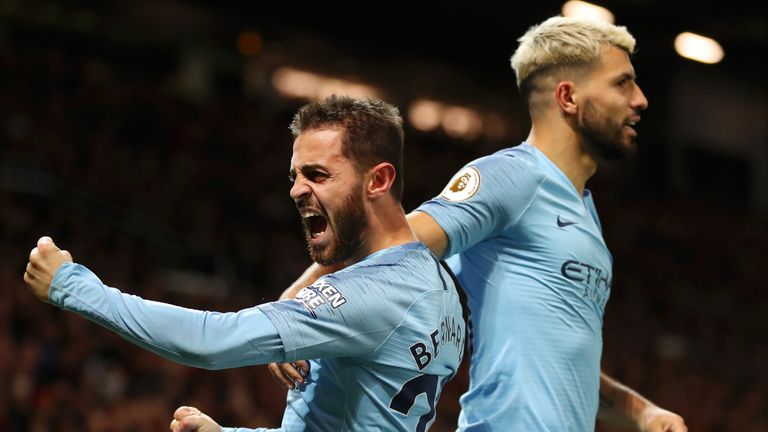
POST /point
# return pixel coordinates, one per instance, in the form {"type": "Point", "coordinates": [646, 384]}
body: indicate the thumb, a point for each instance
{"type": "Point", "coordinates": [196, 423]}
{"type": "Point", "coordinates": [45, 240]}
{"type": "Point", "coordinates": [185, 411]}
{"type": "Point", "coordinates": [302, 366]}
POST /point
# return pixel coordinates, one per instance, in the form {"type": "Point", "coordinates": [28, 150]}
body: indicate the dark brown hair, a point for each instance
{"type": "Point", "coordinates": [373, 131]}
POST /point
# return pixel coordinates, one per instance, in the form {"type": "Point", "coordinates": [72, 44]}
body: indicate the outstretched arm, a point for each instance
{"type": "Point", "coordinates": [203, 339]}
{"type": "Point", "coordinates": [623, 406]}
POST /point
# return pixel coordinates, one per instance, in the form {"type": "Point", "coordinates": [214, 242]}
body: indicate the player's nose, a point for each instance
{"type": "Point", "coordinates": [639, 101]}
{"type": "Point", "coordinates": [299, 189]}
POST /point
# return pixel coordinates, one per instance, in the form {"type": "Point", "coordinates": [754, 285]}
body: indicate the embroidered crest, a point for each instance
{"type": "Point", "coordinates": [463, 185]}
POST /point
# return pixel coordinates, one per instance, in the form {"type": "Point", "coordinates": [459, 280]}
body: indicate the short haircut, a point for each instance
{"type": "Point", "coordinates": [561, 43]}
{"type": "Point", "coordinates": [373, 131]}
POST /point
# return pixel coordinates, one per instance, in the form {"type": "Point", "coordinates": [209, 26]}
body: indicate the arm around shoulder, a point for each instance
{"type": "Point", "coordinates": [310, 275]}
{"type": "Point", "coordinates": [429, 232]}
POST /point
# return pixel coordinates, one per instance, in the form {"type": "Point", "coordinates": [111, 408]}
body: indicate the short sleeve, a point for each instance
{"type": "Point", "coordinates": [483, 199]}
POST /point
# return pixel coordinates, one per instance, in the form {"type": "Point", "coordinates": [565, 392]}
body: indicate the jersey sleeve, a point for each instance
{"type": "Point", "coordinates": [336, 317]}
{"type": "Point", "coordinates": [210, 340]}
{"type": "Point", "coordinates": [483, 199]}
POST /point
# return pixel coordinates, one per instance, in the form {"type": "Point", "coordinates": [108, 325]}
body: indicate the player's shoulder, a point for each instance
{"type": "Point", "coordinates": [406, 264]}
{"type": "Point", "coordinates": [513, 170]}
{"type": "Point", "coordinates": [519, 162]}
{"type": "Point", "coordinates": [390, 259]}
{"type": "Point", "coordinates": [520, 159]}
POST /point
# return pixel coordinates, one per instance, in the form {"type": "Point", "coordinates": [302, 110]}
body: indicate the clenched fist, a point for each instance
{"type": "Point", "coordinates": [190, 419]}
{"type": "Point", "coordinates": [44, 261]}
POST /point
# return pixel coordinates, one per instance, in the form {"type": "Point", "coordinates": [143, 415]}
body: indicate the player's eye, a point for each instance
{"type": "Point", "coordinates": [316, 176]}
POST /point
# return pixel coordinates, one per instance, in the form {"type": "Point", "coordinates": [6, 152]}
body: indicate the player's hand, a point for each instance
{"type": "Point", "coordinates": [190, 419]}
{"type": "Point", "coordinates": [289, 375]}
{"type": "Point", "coordinates": [44, 260]}
{"type": "Point", "coordinates": [656, 419]}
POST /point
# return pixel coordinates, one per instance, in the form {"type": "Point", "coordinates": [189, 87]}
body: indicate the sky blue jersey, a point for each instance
{"type": "Point", "coordinates": [529, 251]}
{"type": "Point", "coordinates": [386, 334]}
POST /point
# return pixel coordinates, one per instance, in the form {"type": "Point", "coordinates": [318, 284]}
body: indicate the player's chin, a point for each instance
{"type": "Point", "coordinates": [628, 149]}
{"type": "Point", "coordinates": [625, 147]}
{"type": "Point", "coordinates": [630, 140]}
{"type": "Point", "coordinates": [321, 253]}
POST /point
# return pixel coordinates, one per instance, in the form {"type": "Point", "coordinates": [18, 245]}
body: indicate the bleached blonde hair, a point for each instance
{"type": "Point", "coordinates": [565, 43]}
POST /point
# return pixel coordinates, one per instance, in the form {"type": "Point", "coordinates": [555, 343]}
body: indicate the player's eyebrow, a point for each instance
{"type": "Point", "coordinates": [631, 76]}
{"type": "Point", "coordinates": [303, 168]}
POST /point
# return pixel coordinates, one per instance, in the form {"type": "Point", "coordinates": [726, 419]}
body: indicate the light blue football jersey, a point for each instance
{"type": "Point", "coordinates": [385, 334]}
{"type": "Point", "coordinates": [529, 252]}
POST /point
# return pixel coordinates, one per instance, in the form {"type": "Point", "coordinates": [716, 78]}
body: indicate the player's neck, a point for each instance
{"type": "Point", "coordinates": [561, 146]}
{"type": "Point", "coordinates": [387, 227]}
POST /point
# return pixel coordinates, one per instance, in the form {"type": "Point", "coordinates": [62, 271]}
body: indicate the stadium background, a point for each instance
{"type": "Point", "coordinates": [150, 139]}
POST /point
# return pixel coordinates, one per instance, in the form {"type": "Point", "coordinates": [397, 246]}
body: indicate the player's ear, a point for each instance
{"type": "Point", "coordinates": [565, 97]}
{"type": "Point", "coordinates": [380, 179]}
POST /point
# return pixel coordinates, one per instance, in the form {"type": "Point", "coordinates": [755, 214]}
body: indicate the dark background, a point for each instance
{"type": "Point", "coordinates": [137, 136]}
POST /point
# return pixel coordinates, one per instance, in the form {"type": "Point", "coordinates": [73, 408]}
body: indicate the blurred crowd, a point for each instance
{"type": "Point", "coordinates": [186, 201]}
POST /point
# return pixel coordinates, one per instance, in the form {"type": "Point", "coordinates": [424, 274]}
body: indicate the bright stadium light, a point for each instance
{"type": "Point", "coordinates": [581, 9]}
{"type": "Point", "coordinates": [462, 122]}
{"type": "Point", "coordinates": [296, 83]}
{"type": "Point", "coordinates": [456, 121]}
{"type": "Point", "coordinates": [330, 86]}
{"type": "Point", "coordinates": [698, 48]}
{"type": "Point", "coordinates": [425, 114]}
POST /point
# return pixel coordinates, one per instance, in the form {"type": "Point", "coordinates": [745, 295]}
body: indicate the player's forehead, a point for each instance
{"type": "Point", "coordinates": [317, 147]}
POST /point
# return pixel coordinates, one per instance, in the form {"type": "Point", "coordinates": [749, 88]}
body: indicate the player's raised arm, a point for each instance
{"type": "Point", "coordinates": [210, 340]}
{"type": "Point", "coordinates": [44, 260]}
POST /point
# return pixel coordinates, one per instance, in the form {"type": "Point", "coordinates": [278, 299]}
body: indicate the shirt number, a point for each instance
{"type": "Point", "coordinates": [406, 397]}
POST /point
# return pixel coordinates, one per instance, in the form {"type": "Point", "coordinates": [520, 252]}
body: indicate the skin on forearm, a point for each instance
{"type": "Point", "coordinates": [619, 404]}
{"type": "Point", "coordinates": [429, 232]}
{"type": "Point", "coordinates": [310, 275]}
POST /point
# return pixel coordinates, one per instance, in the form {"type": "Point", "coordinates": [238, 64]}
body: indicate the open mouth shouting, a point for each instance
{"type": "Point", "coordinates": [315, 224]}
{"type": "Point", "coordinates": [332, 240]}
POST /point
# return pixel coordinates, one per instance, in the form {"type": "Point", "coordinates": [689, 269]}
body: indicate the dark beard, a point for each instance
{"type": "Point", "coordinates": [603, 139]}
{"type": "Point", "coordinates": [348, 241]}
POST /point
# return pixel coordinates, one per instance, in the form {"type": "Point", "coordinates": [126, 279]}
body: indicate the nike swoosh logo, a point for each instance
{"type": "Point", "coordinates": [563, 223]}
